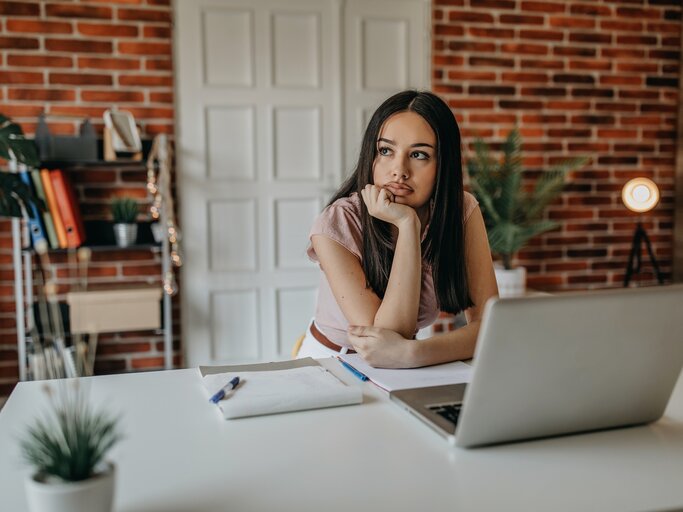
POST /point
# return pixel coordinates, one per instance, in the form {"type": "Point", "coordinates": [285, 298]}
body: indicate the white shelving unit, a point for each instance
{"type": "Point", "coordinates": [23, 290]}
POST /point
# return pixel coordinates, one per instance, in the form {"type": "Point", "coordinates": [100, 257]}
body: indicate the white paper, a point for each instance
{"type": "Point", "coordinates": [407, 378]}
{"type": "Point", "coordinates": [272, 392]}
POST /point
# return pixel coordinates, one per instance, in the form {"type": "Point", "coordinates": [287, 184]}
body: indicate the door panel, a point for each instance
{"type": "Point", "coordinates": [235, 161]}
{"type": "Point", "coordinates": [386, 48]}
{"type": "Point", "coordinates": [260, 147]}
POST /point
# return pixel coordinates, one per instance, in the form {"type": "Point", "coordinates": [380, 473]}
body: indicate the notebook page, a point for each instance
{"type": "Point", "coordinates": [406, 378]}
{"type": "Point", "coordinates": [272, 392]}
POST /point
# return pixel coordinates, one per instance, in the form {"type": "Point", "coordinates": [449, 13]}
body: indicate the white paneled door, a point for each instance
{"type": "Point", "coordinates": [386, 49]}
{"type": "Point", "coordinates": [272, 96]}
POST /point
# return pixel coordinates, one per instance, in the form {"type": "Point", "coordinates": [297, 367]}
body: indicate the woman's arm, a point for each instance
{"type": "Point", "coordinates": [383, 348]}
{"type": "Point", "coordinates": [360, 305]}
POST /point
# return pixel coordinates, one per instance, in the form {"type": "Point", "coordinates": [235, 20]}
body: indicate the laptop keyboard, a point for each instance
{"type": "Point", "coordinates": [447, 411]}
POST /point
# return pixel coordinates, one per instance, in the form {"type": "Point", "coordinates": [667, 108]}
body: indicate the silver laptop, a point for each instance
{"type": "Point", "coordinates": [552, 365]}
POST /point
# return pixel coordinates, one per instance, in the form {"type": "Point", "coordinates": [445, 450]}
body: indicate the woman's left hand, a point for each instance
{"type": "Point", "coordinates": [381, 348]}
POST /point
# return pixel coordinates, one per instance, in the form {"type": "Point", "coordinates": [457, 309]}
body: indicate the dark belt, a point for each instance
{"type": "Point", "coordinates": [322, 339]}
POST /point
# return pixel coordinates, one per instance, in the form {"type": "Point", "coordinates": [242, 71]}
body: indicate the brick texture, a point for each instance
{"type": "Point", "coordinates": [595, 78]}
{"type": "Point", "coordinates": [599, 85]}
{"type": "Point", "coordinates": [78, 59]}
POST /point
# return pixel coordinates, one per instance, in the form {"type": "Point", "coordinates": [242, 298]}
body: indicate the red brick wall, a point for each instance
{"type": "Point", "coordinates": [593, 77]}
{"type": "Point", "coordinates": [80, 58]}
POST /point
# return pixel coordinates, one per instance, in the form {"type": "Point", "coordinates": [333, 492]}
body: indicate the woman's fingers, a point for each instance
{"type": "Point", "coordinates": [384, 197]}
{"type": "Point", "coordinates": [363, 330]}
{"type": "Point", "coordinates": [377, 200]}
{"type": "Point", "coordinates": [389, 195]}
{"type": "Point", "coordinates": [366, 193]}
{"type": "Point", "coordinates": [372, 192]}
{"type": "Point", "coordinates": [381, 205]}
{"type": "Point", "coordinates": [359, 336]}
{"type": "Point", "coordinates": [379, 347]}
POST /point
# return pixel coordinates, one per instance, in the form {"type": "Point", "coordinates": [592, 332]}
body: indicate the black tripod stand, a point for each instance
{"type": "Point", "coordinates": [634, 259]}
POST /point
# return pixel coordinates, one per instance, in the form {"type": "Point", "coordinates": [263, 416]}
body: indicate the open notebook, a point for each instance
{"type": "Point", "coordinates": [271, 388]}
{"type": "Point", "coordinates": [388, 379]}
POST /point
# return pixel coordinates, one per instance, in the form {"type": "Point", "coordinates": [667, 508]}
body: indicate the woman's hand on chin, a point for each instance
{"type": "Point", "coordinates": [381, 204]}
{"type": "Point", "coordinates": [382, 348]}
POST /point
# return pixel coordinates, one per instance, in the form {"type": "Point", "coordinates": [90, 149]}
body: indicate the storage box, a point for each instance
{"type": "Point", "coordinates": [66, 148]}
{"type": "Point", "coordinates": [129, 309]}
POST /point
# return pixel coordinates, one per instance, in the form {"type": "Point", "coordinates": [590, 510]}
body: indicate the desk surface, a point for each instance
{"type": "Point", "coordinates": [180, 455]}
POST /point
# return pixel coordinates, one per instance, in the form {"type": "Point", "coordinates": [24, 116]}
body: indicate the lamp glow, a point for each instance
{"type": "Point", "coordinates": [640, 195]}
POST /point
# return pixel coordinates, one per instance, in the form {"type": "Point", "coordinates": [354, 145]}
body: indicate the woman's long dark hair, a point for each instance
{"type": "Point", "coordinates": [444, 245]}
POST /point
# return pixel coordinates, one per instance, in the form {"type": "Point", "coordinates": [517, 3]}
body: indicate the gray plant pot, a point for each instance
{"type": "Point", "coordinates": [125, 234]}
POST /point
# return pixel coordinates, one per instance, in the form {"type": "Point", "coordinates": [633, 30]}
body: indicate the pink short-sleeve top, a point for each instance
{"type": "Point", "coordinates": [340, 222]}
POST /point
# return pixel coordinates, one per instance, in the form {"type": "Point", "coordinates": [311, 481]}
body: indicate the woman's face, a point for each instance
{"type": "Point", "coordinates": [405, 162]}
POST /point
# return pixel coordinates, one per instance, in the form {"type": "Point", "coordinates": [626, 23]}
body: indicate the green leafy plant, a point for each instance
{"type": "Point", "coordinates": [71, 441]}
{"type": "Point", "coordinates": [124, 210]}
{"type": "Point", "coordinates": [14, 193]}
{"type": "Point", "coordinates": [512, 212]}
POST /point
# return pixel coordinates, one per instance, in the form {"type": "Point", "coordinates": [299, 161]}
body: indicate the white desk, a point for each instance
{"type": "Point", "coordinates": [180, 455]}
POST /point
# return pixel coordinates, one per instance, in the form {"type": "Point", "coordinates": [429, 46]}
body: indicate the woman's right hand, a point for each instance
{"type": "Point", "coordinates": [380, 204]}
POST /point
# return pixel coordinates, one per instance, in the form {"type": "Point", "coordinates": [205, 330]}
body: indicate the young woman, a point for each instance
{"type": "Point", "coordinates": [399, 242]}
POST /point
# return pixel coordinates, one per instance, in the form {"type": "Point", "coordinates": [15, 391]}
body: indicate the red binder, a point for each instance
{"type": "Point", "coordinates": [54, 209]}
{"type": "Point", "coordinates": [68, 208]}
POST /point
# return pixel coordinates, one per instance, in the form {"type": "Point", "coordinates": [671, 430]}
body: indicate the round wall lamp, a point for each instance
{"type": "Point", "coordinates": [640, 195]}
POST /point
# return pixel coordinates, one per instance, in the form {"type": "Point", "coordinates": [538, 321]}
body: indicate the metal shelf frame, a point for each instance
{"type": "Point", "coordinates": [23, 292]}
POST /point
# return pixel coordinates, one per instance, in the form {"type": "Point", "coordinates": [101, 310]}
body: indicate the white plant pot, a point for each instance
{"type": "Point", "coordinates": [125, 234]}
{"type": "Point", "coordinates": [511, 283]}
{"type": "Point", "coordinates": [93, 495]}
{"type": "Point", "coordinates": [158, 232]}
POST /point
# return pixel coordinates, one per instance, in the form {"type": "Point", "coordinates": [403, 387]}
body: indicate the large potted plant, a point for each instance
{"type": "Point", "coordinates": [513, 205]}
{"type": "Point", "coordinates": [67, 450]}
{"type": "Point", "coordinates": [15, 194]}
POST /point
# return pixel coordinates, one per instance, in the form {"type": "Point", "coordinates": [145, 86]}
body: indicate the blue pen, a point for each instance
{"type": "Point", "coordinates": [221, 392]}
{"type": "Point", "coordinates": [350, 368]}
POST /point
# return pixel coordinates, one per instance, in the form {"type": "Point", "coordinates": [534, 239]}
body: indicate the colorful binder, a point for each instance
{"type": "Point", "coordinates": [48, 223]}
{"type": "Point", "coordinates": [68, 209]}
{"type": "Point", "coordinates": [53, 207]}
{"type": "Point", "coordinates": [35, 225]}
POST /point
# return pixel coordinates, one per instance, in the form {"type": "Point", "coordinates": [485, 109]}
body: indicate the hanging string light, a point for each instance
{"type": "Point", "coordinates": [170, 285]}
{"type": "Point", "coordinates": [159, 186]}
{"type": "Point", "coordinates": [151, 177]}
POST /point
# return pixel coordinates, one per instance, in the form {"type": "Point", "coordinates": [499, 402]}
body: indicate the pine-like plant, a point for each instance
{"type": "Point", "coordinates": [71, 441]}
{"type": "Point", "coordinates": [514, 215]}
{"type": "Point", "coordinates": [124, 210]}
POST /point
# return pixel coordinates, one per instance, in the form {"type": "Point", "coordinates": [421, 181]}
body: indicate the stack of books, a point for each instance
{"type": "Point", "coordinates": [61, 224]}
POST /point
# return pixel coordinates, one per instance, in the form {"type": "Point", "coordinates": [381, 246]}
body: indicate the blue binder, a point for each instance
{"type": "Point", "coordinates": [34, 220]}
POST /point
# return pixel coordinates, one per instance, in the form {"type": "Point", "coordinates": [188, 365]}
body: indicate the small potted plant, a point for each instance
{"type": "Point", "coordinates": [13, 192]}
{"type": "Point", "coordinates": [513, 208]}
{"type": "Point", "coordinates": [67, 452]}
{"type": "Point", "coordinates": [124, 211]}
